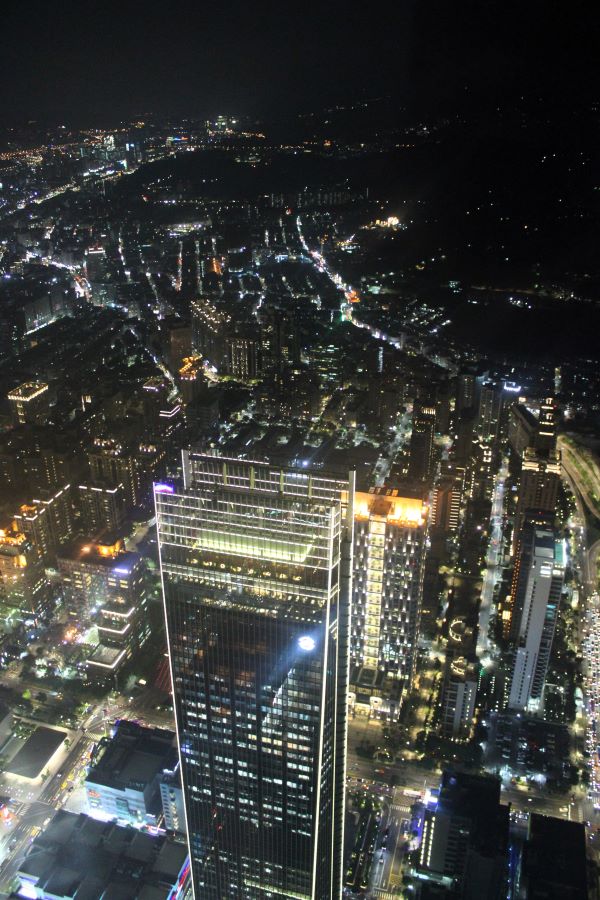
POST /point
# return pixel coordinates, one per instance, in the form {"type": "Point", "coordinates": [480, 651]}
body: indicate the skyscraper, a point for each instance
{"type": "Point", "coordinates": [389, 555]}
{"type": "Point", "coordinates": [446, 502]}
{"type": "Point", "coordinates": [490, 409]}
{"type": "Point", "coordinates": [256, 565]}
{"type": "Point", "coordinates": [421, 441]}
{"type": "Point", "coordinates": [537, 596]}
{"type": "Point", "coordinates": [540, 472]}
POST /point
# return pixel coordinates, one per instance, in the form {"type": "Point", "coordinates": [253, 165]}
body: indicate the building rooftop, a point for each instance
{"type": "Point", "coordinates": [395, 509]}
{"type": "Point", "coordinates": [28, 390]}
{"type": "Point", "coordinates": [109, 554]}
{"type": "Point", "coordinates": [554, 860]}
{"type": "Point", "coordinates": [133, 757]}
{"type": "Point", "coordinates": [106, 657]}
{"type": "Point", "coordinates": [476, 799]}
{"type": "Point", "coordinates": [36, 752]}
{"type": "Point", "coordinates": [78, 857]}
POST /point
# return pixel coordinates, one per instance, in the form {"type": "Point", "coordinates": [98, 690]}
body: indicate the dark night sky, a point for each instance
{"type": "Point", "coordinates": [94, 62]}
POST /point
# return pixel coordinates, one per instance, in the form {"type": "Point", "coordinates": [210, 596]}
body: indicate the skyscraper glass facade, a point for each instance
{"type": "Point", "coordinates": [256, 569]}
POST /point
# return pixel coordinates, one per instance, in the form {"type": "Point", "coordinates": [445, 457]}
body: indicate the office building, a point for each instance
{"type": "Point", "coordinates": [96, 266]}
{"type": "Point", "coordinates": [123, 779]}
{"type": "Point", "coordinates": [106, 586]}
{"type": "Point", "coordinates": [30, 403]}
{"type": "Point", "coordinates": [467, 393]}
{"type": "Point", "coordinates": [389, 553]}
{"type": "Point", "coordinates": [256, 571]}
{"type": "Point", "coordinates": [533, 617]}
{"type": "Point", "coordinates": [279, 340]}
{"type": "Point", "coordinates": [420, 464]}
{"type": "Point", "coordinates": [465, 838]}
{"type": "Point", "coordinates": [491, 398]}
{"type": "Point", "coordinates": [75, 856]}
{"type": "Point", "coordinates": [554, 864]}
{"type": "Point", "coordinates": [206, 409]}
{"type": "Point", "coordinates": [446, 503]}
{"type": "Point", "coordinates": [522, 427]}
{"type": "Point", "coordinates": [538, 487]}
{"type": "Point", "coordinates": [481, 470]}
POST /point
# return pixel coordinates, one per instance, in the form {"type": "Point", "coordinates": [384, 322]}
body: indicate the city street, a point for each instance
{"type": "Point", "coordinates": [33, 803]}
{"type": "Point", "coordinates": [493, 572]}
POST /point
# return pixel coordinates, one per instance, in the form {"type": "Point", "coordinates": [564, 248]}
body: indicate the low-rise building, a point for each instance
{"type": "Point", "coordinates": [124, 779]}
{"type": "Point", "coordinates": [171, 794]}
{"type": "Point", "coordinates": [76, 856]}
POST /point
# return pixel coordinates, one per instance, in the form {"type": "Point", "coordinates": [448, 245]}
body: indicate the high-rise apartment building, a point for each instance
{"type": "Point", "coordinates": [389, 554]}
{"type": "Point", "coordinates": [179, 343]}
{"type": "Point", "coordinates": [29, 403]}
{"type": "Point", "coordinates": [47, 521]}
{"type": "Point", "coordinates": [256, 572]}
{"type": "Point", "coordinates": [113, 463]}
{"type": "Point", "coordinates": [24, 590]}
{"type": "Point", "coordinates": [107, 586]}
{"type": "Point", "coordinates": [537, 590]}
{"type": "Point", "coordinates": [103, 507]}
{"type": "Point", "coordinates": [243, 354]}
{"type": "Point", "coordinates": [210, 324]}
{"type": "Point", "coordinates": [191, 378]}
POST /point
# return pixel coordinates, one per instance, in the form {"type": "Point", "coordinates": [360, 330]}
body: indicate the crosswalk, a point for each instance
{"type": "Point", "coordinates": [384, 895]}
{"type": "Point", "coordinates": [398, 807]}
